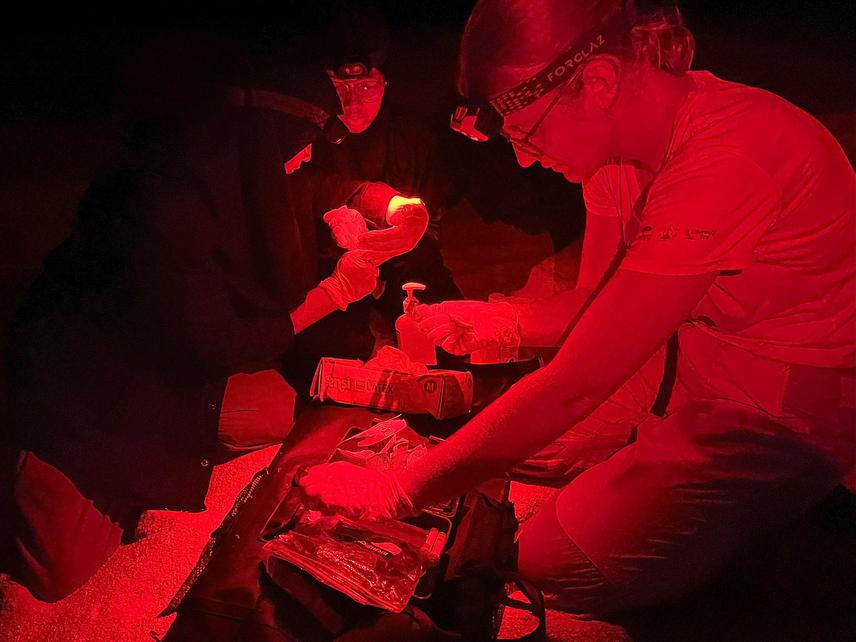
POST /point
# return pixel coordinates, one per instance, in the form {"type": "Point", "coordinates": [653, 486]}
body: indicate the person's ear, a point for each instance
{"type": "Point", "coordinates": [601, 77]}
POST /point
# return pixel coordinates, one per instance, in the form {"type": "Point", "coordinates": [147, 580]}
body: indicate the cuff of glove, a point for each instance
{"type": "Point", "coordinates": [334, 290]}
{"type": "Point", "coordinates": [509, 337]}
{"type": "Point", "coordinates": [504, 344]}
{"type": "Point", "coordinates": [398, 201]}
{"type": "Point", "coordinates": [404, 505]}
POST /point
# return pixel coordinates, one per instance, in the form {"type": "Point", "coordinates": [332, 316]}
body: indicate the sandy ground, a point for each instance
{"type": "Point", "coordinates": [122, 601]}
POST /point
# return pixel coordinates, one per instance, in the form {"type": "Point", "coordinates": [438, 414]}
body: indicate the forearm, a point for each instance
{"type": "Point", "coordinates": [544, 322]}
{"type": "Point", "coordinates": [528, 417]}
{"type": "Point", "coordinates": [370, 198]}
{"type": "Point", "coordinates": [315, 307]}
{"type": "Point", "coordinates": [616, 335]}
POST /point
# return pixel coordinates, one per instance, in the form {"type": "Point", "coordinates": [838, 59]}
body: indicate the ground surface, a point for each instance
{"type": "Point", "coordinates": [122, 601]}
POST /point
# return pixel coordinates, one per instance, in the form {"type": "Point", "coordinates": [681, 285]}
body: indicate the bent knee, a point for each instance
{"type": "Point", "coordinates": [51, 583]}
{"type": "Point", "coordinates": [58, 539]}
{"type": "Point", "coordinates": [564, 573]}
{"type": "Point", "coordinates": [54, 589]}
{"type": "Point", "coordinates": [257, 411]}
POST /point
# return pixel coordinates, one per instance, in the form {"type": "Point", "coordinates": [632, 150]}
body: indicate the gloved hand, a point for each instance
{"type": "Point", "coordinates": [408, 223]}
{"type": "Point", "coordinates": [353, 278]}
{"type": "Point", "coordinates": [463, 327]}
{"type": "Point", "coordinates": [346, 225]}
{"type": "Point", "coordinates": [356, 491]}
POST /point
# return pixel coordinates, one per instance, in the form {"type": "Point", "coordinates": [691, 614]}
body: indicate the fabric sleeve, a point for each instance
{"type": "Point", "coordinates": [598, 194]}
{"type": "Point", "coordinates": [184, 294]}
{"type": "Point", "coordinates": [371, 198]}
{"type": "Point", "coordinates": [705, 212]}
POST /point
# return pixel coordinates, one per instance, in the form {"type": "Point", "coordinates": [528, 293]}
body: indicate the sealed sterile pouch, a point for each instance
{"type": "Point", "coordinates": [376, 563]}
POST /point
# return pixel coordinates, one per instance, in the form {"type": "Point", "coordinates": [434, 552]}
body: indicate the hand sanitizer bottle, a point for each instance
{"type": "Point", "coordinates": [410, 339]}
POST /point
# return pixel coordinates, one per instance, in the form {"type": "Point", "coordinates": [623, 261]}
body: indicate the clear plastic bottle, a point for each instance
{"type": "Point", "coordinates": [410, 339]}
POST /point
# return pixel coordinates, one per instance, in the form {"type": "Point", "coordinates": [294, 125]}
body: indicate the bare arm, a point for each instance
{"type": "Point", "coordinates": [630, 318]}
{"type": "Point", "coordinates": [544, 322]}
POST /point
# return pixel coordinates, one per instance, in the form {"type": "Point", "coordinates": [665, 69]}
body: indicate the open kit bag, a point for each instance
{"type": "Point", "coordinates": [444, 574]}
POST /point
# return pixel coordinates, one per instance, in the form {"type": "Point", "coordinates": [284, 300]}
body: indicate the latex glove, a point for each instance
{"type": "Point", "coordinates": [346, 225]}
{"type": "Point", "coordinates": [391, 358]}
{"type": "Point", "coordinates": [353, 278]}
{"type": "Point", "coordinates": [356, 491]}
{"type": "Point", "coordinates": [394, 210]}
{"type": "Point", "coordinates": [408, 223]}
{"type": "Point", "coordinates": [463, 327]}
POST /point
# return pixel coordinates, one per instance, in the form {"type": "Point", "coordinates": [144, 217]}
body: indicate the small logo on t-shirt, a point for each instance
{"type": "Point", "coordinates": [668, 233]}
{"type": "Point", "coordinates": [695, 234]}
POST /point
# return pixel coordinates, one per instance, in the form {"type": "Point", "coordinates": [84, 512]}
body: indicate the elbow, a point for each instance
{"type": "Point", "coordinates": [199, 350]}
{"type": "Point", "coordinates": [573, 396]}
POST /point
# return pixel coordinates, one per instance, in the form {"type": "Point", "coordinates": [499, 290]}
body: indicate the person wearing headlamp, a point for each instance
{"type": "Point", "coordinates": [149, 348]}
{"type": "Point", "coordinates": [718, 213]}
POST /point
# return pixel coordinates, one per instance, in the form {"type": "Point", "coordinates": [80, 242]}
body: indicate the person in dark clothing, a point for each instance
{"type": "Point", "coordinates": [399, 151]}
{"type": "Point", "coordinates": [144, 352]}
{"type": "Point", "coordinates": [394, 147]}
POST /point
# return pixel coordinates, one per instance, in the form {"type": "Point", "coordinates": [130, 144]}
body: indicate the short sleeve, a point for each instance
{"type": "Point", "coordinates": [598, 194]}
{"type": "Point", "coordinates": [705, 212]}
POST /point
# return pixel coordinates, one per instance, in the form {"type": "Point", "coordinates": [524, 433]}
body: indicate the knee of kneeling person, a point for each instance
{"type": "Point", "coordinates": [52, 584]}
{"type": "Point", "coordinates": [569, 580]}
{"type": "Point", "coordinates": [56, 589]}
{"type": "Point", "coordinates": [257, 411]}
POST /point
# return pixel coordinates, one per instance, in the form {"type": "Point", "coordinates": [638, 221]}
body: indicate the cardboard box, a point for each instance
{"type": "Point", "coordinates": [441, 393]}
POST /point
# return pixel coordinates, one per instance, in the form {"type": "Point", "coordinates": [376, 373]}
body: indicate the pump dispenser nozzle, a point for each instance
{"type": "Point", "coordinates": [410, 302]}
{"type": "Point", "coordinates": [411, 340]}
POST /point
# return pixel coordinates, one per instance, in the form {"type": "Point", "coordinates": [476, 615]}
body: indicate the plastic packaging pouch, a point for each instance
{"type": "Point", "coordinates": [375, 563]}
{"type": "Point", "coordinates": [381, 447]}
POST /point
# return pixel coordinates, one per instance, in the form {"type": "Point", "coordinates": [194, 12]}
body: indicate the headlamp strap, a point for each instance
{"type": "Point", "coordinates": [605, 37]}
{"type": "Point", "coordinates": [278, 102]}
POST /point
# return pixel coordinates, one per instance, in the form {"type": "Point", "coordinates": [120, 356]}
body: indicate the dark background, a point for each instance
{"type": "Point", "coordinates": [64, 62]}
{"type": "Point", "coordinates": [69, 65]}
{"type": "Point", "coordinates": [65, 105]}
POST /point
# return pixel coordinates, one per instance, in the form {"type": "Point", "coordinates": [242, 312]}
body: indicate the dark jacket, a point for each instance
{"type": "Point", "coordinates": [181, 270]}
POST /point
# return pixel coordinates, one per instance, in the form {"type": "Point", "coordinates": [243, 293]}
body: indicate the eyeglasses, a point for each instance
{"type": "Point", "coordinates": [368, 89]}
{"type": "Point", "coordinates": [524, 144]}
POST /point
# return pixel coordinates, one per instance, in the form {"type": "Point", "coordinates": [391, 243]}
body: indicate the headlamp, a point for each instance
{"type": "Point", "coordinates": [350, 70]}
{"type": "Point", "coordinates": [478, 122]}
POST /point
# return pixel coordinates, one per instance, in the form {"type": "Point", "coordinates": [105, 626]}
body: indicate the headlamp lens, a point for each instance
{"type": "Point", "coordinates": [480, 123]}
{"type": "Point", "coordinates": [352, 70]}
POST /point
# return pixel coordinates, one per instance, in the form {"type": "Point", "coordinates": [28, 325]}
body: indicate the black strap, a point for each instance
{"type": "Point", "coordinates": [535, 606]}
{"type": "Point", "coordinates": [667, 383]}
{"type": "Point", "coordinates": [245, 97]}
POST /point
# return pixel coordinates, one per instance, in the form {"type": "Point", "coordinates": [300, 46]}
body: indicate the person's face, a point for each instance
{"type": "Point", "coordinates": [563, 130]}
{"type": "Point", "coordinates": [361, 99]}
